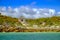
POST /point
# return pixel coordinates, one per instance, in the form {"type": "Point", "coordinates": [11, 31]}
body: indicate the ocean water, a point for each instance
{"type": "Point", "coordinates": [30, 36]}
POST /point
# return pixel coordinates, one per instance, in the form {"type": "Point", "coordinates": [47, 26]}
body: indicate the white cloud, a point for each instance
{"type": "Point", "coordinates": [58, 12]}
{"type": "Point", "coordinates": [52, 11]}
{"type": "Point", "coordinates": [27, 12]}
{"type": "Point", "coordinates": [3, 9]}
{"type": "Point", "coordinates": [16, 10]}
{"type": "Point", "coordinates": [34, 9]}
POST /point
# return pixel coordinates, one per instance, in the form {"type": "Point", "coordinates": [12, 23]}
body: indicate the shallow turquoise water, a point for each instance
{"type": "Point", "coordinates": [30, 36]}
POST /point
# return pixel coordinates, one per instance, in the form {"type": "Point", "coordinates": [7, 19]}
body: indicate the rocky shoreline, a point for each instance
{"type": "Point", "coordinates": [29, 29]}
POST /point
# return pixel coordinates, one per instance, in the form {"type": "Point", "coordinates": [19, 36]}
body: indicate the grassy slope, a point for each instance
{"type": "Point", "coordinates": [8, 20]}
{"type": "Point", "coordinates": [55, 20]}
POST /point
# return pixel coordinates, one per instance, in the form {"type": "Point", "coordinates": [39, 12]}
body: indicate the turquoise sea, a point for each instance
{"type": "Point", "coordinates": [30, 36]}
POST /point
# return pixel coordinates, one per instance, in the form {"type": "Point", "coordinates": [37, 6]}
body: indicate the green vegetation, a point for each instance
{"type": "Point", "coordinates": [9, 24]}
{"type": "Point", "coordinates": [55, 20]}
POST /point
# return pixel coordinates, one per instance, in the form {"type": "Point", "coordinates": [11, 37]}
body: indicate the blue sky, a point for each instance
{"type": "Point", "coordinates": [30, 8]}
{"type": "Point", "coordinates": [38, 3]}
